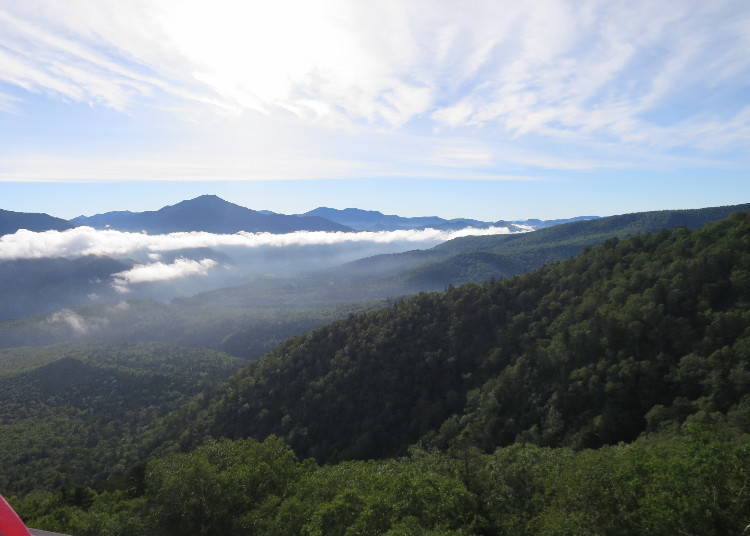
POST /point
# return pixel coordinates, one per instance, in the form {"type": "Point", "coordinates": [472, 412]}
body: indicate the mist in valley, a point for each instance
{"type": "Point", "coordinates": [242, 293]}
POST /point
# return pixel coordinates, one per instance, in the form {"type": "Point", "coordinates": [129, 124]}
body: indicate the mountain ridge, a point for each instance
{"type": "Point", "coordinates": [590, 351]}
{"type": "Point", "coordinates": [374, 220]}
{"type": "Point", "coordinates": [208, 213]}
{"type": "Point", "coordinates": [507, 255]}
{"type": "Point", "coordinates": [11, 221]}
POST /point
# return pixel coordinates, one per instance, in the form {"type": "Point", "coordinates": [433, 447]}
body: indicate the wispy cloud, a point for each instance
{"type": "Point", "coordinates": [512, 79]}
{"type": "Point", "coordinates": [540, 68]}
{"type": "Point", "coordinates": [75, 322]}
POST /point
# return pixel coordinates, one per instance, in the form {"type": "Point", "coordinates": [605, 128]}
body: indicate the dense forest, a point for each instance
{"type": "Point", "coordinates": [481, 258]}
{"type": "Point", "coordinates": [689, 482]}
{"type": "Point", "coordinates": [605, 394]}
{"type": "Point", "coordinates": [72, 414]}
{"type": "Point", "coordinates": [630, 336]}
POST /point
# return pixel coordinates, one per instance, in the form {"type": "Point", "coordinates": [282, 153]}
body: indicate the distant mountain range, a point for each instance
{"type": "Point", "coordinates": [10, 222]}
{"type": "Point", "coordinates": [281, 305]}
{"type": "Point", "coordinates": [206, 213]}
{"type": "Point", "coordinates": [458, 261]}
{"type": "Point", "coordinates": [372, 220]}
{"type": "Point", "coordinates": [212, 214]}
{"type": "Point", "coordinates": [537, 224]}
{"type": "Point", "coordinates": [481, 258]}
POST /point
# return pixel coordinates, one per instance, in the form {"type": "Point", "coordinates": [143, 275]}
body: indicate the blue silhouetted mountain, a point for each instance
{"type": "Point", "coordinates": [537, 224]}
{"type": "Point", "coordinates": [206, 213]}
{"type": "Point", "coordinates": [372, 220]}
{"type": "Point", "coordinates": [10, 222]}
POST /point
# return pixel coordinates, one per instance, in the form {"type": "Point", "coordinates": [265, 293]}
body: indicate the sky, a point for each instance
{"type": "Point", "coordinates": [492, 110]}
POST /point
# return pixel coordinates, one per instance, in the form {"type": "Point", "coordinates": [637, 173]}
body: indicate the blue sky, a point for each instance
{"type": "Point", "coordinates": [482, 109]}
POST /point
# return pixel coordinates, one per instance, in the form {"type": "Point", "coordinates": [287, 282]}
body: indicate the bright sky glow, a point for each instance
{"type": "Point", "coordinates": [507, 92]}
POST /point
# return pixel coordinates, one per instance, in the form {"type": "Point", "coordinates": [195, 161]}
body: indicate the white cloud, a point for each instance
{"type": "Point", "coordinates": [499, 72]}
{"type": "Point", "coordinates": [159, 271]}
{"type": "Point", "coordinates": [77, 324]}
{"type": "Point", "coordinates": [82, 241]}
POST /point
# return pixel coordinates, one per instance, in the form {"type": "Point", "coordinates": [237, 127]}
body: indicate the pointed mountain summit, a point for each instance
{"type": "Point", "coordinates": [208, 213]}
{"type": "Point", "coordinates": [10, 222]}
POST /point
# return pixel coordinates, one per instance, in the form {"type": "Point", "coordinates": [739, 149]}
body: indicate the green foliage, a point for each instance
{"type": "Point", "coordinates": [693, 481]}
{"type": "Point", "coordinates": [630, 336]}
{"type": "Point", "coordinates": [607, 394]}
{"type": "Point", "coordinates": [482, 258]}
{"type": "Point", "coordinates": [202, 492]}
{"type": "Point", "coordinates": [77, 415]}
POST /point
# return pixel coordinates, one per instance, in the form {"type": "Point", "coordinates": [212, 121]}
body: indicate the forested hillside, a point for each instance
{"type": "Point", "coordinates": [72, 414]}
{"type": "Point", "coordinates": [629, 336]}
{"type": "Point", "coordinates": [690, 482]}
{"type": "Point", "coordinates": [481, 258]}
{"type": "Point", "coordinates": [606, 394]}
{"type": "Point", "coordinates": [463, 260]}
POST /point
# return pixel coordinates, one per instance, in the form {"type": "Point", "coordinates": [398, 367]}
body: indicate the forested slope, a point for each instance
{"type": "Point", "coordinates": [71, 414]}
{"type": "Point", "coordinates": [690, 482]}
{"type": "Point", "coordinates": [629, 335]}
{"type": "Point", "coordinates": [481, 258]}
{"type": "Point", "coordinates": [644, 341]}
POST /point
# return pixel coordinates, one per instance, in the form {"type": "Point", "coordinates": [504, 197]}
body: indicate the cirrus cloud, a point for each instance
{"type": "Point", "coordinates": [555, 68]}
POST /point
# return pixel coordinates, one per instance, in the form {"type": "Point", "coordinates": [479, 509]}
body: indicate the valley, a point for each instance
{"type": "Point", "coordinates": [351, 268]}
{"type": "Point", "coordinates": [484, 348]}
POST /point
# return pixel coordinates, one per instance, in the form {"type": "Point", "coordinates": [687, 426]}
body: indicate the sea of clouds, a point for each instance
{"type": "Point", "coordinates": [149, 250]}
{"type": "Point", "coordinates": [82, 241]}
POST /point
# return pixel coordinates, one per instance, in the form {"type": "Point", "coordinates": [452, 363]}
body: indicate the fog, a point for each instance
{"type": "Point", "coordinates": [82, 241]}
{"type": "Point", "coordinates": [166, 266]}
{"type": "Point", "coordinates": [44, 272]}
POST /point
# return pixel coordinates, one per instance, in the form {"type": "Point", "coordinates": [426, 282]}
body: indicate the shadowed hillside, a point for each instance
{"type": "Point", "coordinates": [630, 335]}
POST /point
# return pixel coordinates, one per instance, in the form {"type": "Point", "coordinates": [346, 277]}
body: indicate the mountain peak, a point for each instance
{"type": "Point", "coordinates": [207, 202]}
{"type": "Point", "coordinates": [209, 213]}
{"type": "Point", "coordinates": [206, 199]}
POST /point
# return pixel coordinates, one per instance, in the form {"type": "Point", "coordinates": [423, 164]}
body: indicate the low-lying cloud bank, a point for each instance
{"type": "Point", "coordinates": [82, 241]}
{"type": "Point", "coordinates": [159, 271]}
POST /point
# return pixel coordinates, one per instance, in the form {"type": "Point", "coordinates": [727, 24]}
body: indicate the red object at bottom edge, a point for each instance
{"type": "Point", "coordinates": [10, 523]}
